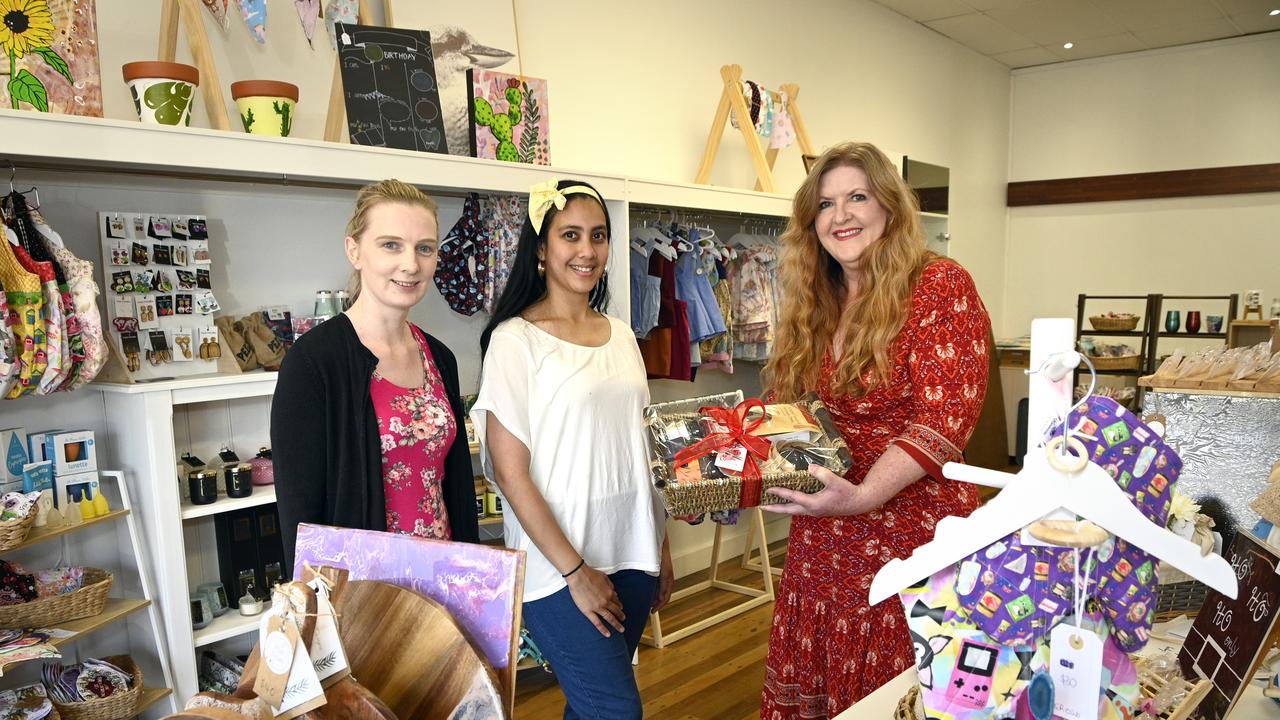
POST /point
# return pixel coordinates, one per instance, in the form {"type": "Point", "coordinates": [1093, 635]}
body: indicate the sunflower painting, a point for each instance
{"type": "Point", "coordinates": [49, 56]}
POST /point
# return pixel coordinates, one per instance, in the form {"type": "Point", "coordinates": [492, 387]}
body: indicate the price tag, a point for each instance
{"type": "Point", "coordinates": [1075, 662]}
{"type": "Point", "coordinates": [327, 656]}
{"type": "Point", "coordinates": [277, 638]}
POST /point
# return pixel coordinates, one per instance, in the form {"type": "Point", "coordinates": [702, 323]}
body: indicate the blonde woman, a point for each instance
{"type": "Point", "coordinates": [893, 339]}
{"type": "Point", "coordinates": [366, 422]}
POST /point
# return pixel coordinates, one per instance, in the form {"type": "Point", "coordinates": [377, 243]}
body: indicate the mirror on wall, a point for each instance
{"type": "Point", "coordinates": [932, 185]}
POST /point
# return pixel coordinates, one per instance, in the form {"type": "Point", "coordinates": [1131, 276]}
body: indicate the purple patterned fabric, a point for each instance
{"type": "Point", "coordinates": [1016, 593]}
{"type": "Point", "coordinates": [479, 585]}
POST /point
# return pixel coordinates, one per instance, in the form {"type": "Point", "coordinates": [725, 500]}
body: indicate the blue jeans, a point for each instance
{"type": "Point", "coordinates": [594, 671]}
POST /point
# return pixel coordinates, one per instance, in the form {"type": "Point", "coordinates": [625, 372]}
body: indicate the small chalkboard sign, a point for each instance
{"type": "Point", "coordinates": [1230, 637]}
{"type": "Point", "coordinates": [389, 82]}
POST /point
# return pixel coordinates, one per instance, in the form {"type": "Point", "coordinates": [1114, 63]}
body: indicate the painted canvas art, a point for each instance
{"type": "Point", "coordinates": [389, 80]}
{"type": "Point", "coordinates": [509, 117]}
{"type": "Point", "coordinates": [478, 584]}
{"type": "Point", "coordinates": [49, 52]}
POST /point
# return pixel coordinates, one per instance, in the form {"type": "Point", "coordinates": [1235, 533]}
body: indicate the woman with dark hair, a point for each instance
{"type": "Point", "coordinates": [559, 419]}
{"type": "Point", "coordinates": [893, 339]}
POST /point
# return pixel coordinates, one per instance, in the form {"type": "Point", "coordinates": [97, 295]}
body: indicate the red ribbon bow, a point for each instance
{"type": "Point", "coordinates": [738, 432]}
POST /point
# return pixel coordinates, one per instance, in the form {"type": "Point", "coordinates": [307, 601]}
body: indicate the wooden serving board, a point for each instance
{"type": "Point", "coordinates": [407, 649]}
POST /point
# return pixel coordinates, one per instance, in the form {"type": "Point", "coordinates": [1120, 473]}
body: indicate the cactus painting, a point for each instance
{"type": "Point", "coordinates": [509, 119]}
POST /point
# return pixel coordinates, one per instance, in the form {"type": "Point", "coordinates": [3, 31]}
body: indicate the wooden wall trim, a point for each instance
{"type": "Point", "coordinates": [1235, 180]}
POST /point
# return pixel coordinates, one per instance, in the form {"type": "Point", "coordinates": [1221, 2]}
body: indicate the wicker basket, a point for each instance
{"type": "Point", "coordinates": [14, 532]}
{"type": "Point", "coordinates": [709, 494]}
{"type": "Point", "coordinates": [48, 612]}
{"type": "Point", "coordinates": [909, 705]}
{"type": "Point", "coordinates": [1108, 362]}
{"type": "Point", "coordinates": [116, 707]}
{"type": "Point", "coordinates": [1102, 322]}
{"type": "Point", "coordinates": [1177, 593]}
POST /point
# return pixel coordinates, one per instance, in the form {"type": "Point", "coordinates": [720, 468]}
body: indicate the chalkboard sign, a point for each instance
{"type": "Point", "coordinates": [389, 82]}
{"type": "Point", "coordinates": [1230, 637]}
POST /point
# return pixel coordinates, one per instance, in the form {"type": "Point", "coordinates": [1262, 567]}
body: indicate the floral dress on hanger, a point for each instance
{"type": "Point", "coordinates": [828, 648]}
{"type": "Point", "coordinates": [25, 319]}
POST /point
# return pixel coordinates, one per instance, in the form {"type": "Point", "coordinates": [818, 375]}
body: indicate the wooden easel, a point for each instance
{"type": "Point", "coordinates": [336, 118]}
{"type": "Point", "coordinates": [655, 637]}
{"type": "Point", "coordinates": [731, 101]}
{"type": "Point", "coordinates": [172, 12]}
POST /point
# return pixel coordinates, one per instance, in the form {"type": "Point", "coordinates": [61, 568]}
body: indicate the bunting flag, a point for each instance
{"type": "Point", "coordinates": [255, 16]}
{"type": "Point", "coordinates": [308, 13]}
{"type": "Point", "coordinates": [218, 8]}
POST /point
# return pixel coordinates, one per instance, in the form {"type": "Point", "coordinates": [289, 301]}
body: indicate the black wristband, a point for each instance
{"type": "Point", "coordinates": [575, 569]}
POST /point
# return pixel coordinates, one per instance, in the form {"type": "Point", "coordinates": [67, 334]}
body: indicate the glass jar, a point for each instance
{"type": "Point", "coordinates": [326, 305]}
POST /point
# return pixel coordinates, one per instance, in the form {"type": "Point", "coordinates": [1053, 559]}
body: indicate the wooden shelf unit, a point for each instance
{"type": "Point", "coordinates": [40, 534]}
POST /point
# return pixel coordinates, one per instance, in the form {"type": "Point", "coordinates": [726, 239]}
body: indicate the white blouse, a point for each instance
{"type": "Point", "coordinates": [579, 411]}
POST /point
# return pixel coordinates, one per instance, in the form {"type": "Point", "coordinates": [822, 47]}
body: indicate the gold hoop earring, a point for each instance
{"type": "Point", "coordinates": [542, 269]}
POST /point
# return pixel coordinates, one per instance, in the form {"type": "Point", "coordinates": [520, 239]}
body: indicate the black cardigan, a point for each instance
{"type": "Point", "coordinates": [324, 438]}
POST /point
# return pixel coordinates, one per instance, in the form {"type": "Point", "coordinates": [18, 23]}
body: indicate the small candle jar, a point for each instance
{"type": "Point", "coordinates": [239, 480]}
{"type": "Point", "coordinates": [203, 486]}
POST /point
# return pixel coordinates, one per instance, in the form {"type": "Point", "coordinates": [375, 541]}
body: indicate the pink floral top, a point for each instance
{"type": "Point", "coordinates": [417, 428]}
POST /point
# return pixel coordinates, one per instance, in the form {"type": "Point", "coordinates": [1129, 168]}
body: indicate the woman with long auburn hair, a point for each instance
{"type": "Point", "coordinates": [893, 339]}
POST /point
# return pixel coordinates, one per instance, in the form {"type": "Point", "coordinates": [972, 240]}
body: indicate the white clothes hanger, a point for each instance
{"type": "Point", "coordinates": [1045, 487]}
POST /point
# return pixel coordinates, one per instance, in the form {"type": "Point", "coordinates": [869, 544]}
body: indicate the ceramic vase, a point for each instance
{"type": "Point", "coordinates": [266, 106]}
{"type": "Point", "coordinates": [163, 92]}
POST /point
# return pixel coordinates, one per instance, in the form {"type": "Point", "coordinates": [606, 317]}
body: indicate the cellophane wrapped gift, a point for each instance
{"type": "Point", "coordinates": [720, 452]}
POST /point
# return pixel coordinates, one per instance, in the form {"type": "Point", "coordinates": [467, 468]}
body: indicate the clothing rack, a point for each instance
{"type": "Point", "coordinates": [731, 102]}
{"type": "Point", "coordinates": [187, 13]}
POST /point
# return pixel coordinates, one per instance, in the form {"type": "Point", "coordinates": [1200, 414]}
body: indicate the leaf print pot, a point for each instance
{"type": "Point", "coordinates": [266, 106]}
{"type": "Point", "coordinates": [163, 92]}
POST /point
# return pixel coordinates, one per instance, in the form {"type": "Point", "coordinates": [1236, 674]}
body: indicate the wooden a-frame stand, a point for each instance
{"type": "Point", "coordinates": [188, 14]}
{"type": "Point", "coordinates": [731, 101]}
{"type": "Point", "coordinates": [655, 636]}
{"type": "Point", "coordinates": [337, 115]}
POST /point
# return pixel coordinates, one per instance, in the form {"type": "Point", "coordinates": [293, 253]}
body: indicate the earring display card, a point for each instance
{"type": "Point", "coordinates": [148, 256]}
{"type": "Point", "coordinates": [389, 81]}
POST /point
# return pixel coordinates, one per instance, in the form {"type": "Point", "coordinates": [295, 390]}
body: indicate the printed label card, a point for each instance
{"type": "Point", "coordinates": [146, 313]}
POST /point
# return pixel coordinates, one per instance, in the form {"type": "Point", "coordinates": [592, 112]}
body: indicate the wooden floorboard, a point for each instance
{"type": "Point", "coordinates": [712, 675]}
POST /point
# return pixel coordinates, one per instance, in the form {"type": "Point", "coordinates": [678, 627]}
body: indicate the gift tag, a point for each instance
{"type": "Point", "coordinates": [327, 656]}
{"type": "Point", "coordinates": [139, 254]}
{"type": "Point", "coordinates": [1075, 662]}
{"type": "Point", "coordinates": [732, 458]}
{"type": "Point", "coordinates": [278, 640]}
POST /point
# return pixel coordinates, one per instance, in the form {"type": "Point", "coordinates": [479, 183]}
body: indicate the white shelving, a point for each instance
{"type": "Point", "coordinates": [262, 495]}
{"type": "Point", "coordinates": [202, 388]}
{"type": "Point", "coordinates": [231, 624]}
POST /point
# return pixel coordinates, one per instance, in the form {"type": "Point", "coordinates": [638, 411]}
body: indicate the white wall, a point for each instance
{"type": "Point", "coordinates": [1207, 105]}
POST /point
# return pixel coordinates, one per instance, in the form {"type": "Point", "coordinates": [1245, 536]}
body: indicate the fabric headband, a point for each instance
{"type": "Point", "coordinates": [545, 195]}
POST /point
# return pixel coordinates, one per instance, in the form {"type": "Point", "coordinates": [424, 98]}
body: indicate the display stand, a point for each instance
{"type": "Point", "coordinates": [337, 115]}
{"type": "Point", "coordinates": [731, 101]}
{"type": "Point", "coordinates": [752, 561]}
{"type": "Point", "coordinates": [754, 598]}
{"type": "Point", "coordinates": [187, 12]}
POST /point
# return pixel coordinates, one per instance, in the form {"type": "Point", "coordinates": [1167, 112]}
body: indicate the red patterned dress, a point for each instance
{"type": "Point", "coordinates": [828, 648]}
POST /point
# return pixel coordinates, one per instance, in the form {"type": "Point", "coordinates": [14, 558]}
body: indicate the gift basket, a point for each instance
{"type": "Point", "coordinates": [46, 598]}
{"type": "Point", "coordinates": [720, 452]}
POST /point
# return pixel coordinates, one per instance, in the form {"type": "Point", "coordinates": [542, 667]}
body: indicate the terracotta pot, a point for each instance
{"type": "Point", "coordinates": [163, 92]}
{"type": "Point", "coordinates": [266, 106]}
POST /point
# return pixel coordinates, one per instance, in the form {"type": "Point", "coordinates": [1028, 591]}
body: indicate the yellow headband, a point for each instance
{"type": "Point", "coordinates": [546, 194]}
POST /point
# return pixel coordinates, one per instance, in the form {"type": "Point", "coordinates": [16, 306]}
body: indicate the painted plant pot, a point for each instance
{"type": "Point", "coordinates": [163, 92]}
{"type": "Point", "coordinates": [266, 106]}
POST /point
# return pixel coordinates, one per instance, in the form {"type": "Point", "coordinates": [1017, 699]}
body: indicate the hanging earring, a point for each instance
{"type": "Point", "coordinates": [542, 269]}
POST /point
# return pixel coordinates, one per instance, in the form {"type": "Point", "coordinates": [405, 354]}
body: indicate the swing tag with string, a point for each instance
{"type": "Point", "coordinates": [327, 656]}
{"type": "Point", "coordinates": [1075, 661]}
